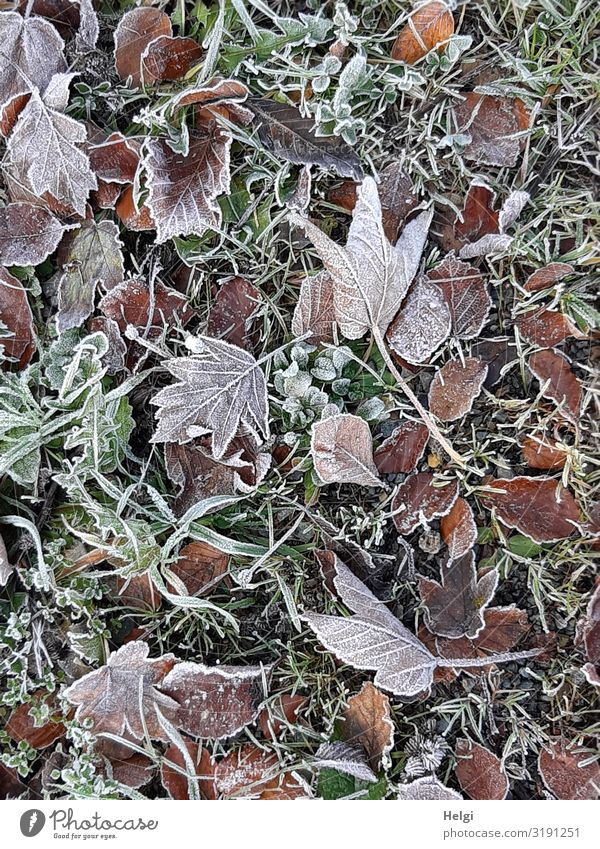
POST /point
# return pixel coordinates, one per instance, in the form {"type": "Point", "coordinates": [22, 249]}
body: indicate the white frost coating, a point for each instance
{"type": "Point", "coordinates": [493, 243]}
{"type": "Point", "coordinates": [427, 788]}
{"type": "Point", "coordinates": [314, 313]}
{"type": "Point", "coordinates": [422, 323]}
{"type": "Point", "coordinates": [32, 52]}
{"type": "Point", "coordinates": [342, 451]}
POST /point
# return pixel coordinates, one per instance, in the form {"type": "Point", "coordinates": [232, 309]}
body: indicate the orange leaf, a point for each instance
{"type": "Point", "coordinates": [429, 26]}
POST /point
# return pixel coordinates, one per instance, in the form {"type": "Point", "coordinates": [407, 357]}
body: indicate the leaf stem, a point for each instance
{"type": "Point", "coordinates": [425, 416]}
{"type": "Point", "coordinates": [503, 657]}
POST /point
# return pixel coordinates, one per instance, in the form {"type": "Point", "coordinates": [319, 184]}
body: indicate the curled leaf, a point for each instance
{"type": "Point", "coordinates": [418, 501]}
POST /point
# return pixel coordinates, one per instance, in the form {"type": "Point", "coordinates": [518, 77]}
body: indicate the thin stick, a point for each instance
{"type": "Point", "coordinates": [426, 418]}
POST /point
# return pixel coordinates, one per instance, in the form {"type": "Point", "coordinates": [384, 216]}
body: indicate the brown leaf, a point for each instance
{"type": "Point", "coordinates": [10, 111]}
{"type": "Point", "coordinates": [455, 387]}
{"type": "Point", "coordinates": [342, 451]}
{"type": "Point", "coordinates": [544, 278]}
{"type": "Point", "coordinates": [250, 772]}
{"type": "Point", "coordinates": [458, 529]}
{"type": "Point", "coordinates": [429, 27]}
{"type": "Point", "coordinates": [11, 786]}
{"type": "Point", "coordinates": [417, 501]}
{"type": "Point", "coordinates": [214, 701]}
{"type": "Point", "coordinates": [560, 768]}
{"type": "Point", "coordinates": [546, 328]}
{"type": "Point", "coordinates": [183, 189]}
{"type": "Point", "coordinates": [111, 695]}
{"type": "Point", "coordinates": [367, 721]}
{"type": "Point", "coordinates": [400, 452]}
{"type": "Point", "coordinates": [422, 323]}
{"type": "Point", "coordinates": [138, 591]}
{"type": "Point", "coordinates": [454, 608]}
{"type": "Point", "coordinates": [588, 629]}
{"type": "Point", "coordinates": [20, 724]}
{"type": "Point", "coordinates": [28, 234]}
{"type": "Point", "coordinates": [466, 294]}
{"type": "Point", "coordinates": [199, 566]}
{"type": "Point", "coordinates": [130, 216]}
{"type": "Point", "coordinates": [542, 453]}
{"type": "Point", "coordinates": [495, 353]}
{"type": "Point", "coordinates": [314, 311]}
{"type": "Point", "coordinates": [557, 382]}
{"type": "Point", "coordinates": [135, 771]}
{"type": "Point", "coordinates": [398, 199]}
{"type": "Point", "coordinates": [115, 160]}
{"type": "Point", "coordinates": [479, 771]}
{"type": "Point", "coordinates": [478, 217]}
{"type": "Point", "coordinates": [174, 771]}
{"type": "Point", "coordinates": [234, 312]}
{"type": "Point", "coordinates": [15, 314]}
{"type": "Point", "coordinates": [280, 713]}
{"type": "Point", "coordinates": [168, 58]}
{"type": "Point", "coordinates": [131, 301]}
{"type": "Point", "coordinates": [536, 507]}
{"type": "Point", "coordinates": [136, 29]}
{"type": "Point", "coordinates": [492, 122]}
{"type": "Point", "coordinates": [114, 358]}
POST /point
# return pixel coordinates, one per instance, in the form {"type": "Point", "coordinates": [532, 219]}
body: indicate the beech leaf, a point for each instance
{"type": "Point", "coordinates": [28, 234]}
{"type": "Point", "coordinates": [454, 608]}
{"type": "Point", "coordinates": [422, 323]}
{"type": "Point", "coordinates": [455, 387]}
{"type": "Point", "coordinates": [479, 771]}
{"type": "Point", "coordinates": [417, 501]}
{"type": "Point", "coordinates": [342, 451]}
{"type": "Point", "coordinates": [219, 388]}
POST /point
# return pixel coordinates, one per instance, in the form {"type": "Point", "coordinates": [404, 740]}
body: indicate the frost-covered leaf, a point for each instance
{"type": "Point", "coordinates": [548, 276]}
{"type": "Point", "coordinates": [422, 323]}
{"type": "Point", "coordinates": [289, 136]}
{"type": "Point", "coordinates": [342, 451]}
{"type": "Point", "coordinates": [557, 382]}
{"type": "Point", "coordinates": [28, 234]}
{"type": "Point", "coordinates": [511, 209]}
{"type": "Point", "coordinates": [454, 608]}
{"type": "Point", "coordinates": [183, 189]}
{"type": "Point", "coordinates": [147, 307]}
{"type": "Point", "coordinates": [479, 771]}
{"type": "Point", "coordinates": [135, 771]}
{"type": "Point", "coordinates": [430, 26]}
{"type": "Point", "coordinates": [214, 701]}
{"type": "Point", "coordinates": [136, 29]}
{"type": "Point", "coordinates": [564, 773]}
{"type": "Point", "coordinates": [458, 529]}
{"type": "Point", "coordinates": [546, 328]}
{"type": "Point", "coordinates": [588, 628]}
{"type": "Point", "coordinates": [132, 216]}
{"type": "Point", "coordinates": [175, 771]}
{"type": "Point", "coordinates": [478, 218]}
{"type": "Point", "coordinates": [233, 312]}
{"type": "Point", "coordinates": [20, 725]}
{"type": "Point", "coordinates": [543, 453]}
{"type": "Point", "coordinates": [494, 243]}
{"type": "Point", "coordinates": [346, 758]}
{"type": "Point", "coordinates": [371, 277]}
{"type": "Point", "coordinates": [6, 567]}
{"type": "Point", "coordinates": [21, 420]}
{"type": "Point", "coordinates": [427, 788]}
{"type": "Point", "coordinates": [466, 294]}
{"type": "Point", "coordinates": [400, 452]}
{"type": "Point", "coordinates": [314, 313]}
{"type": "Point", "coordinates": [455, 387]}
{"type": "Point", "coordinates": [367, 721]}
{"type": "Point", "coordinates": [199, 566]}
{"type": "Point", "coordinates": [113, 695]}
{"type": "Point", "coordinates": [253, 773]}
{"type": "Point", "coordinates": [219, 388]}
{"type": "Point", "coordinates": [169, 58]}
{"type": "Point", "coordinates": [89, 28]}
{"type": "Point", "coordinates": [417, 501]}
{"type": "Point", "coordinates": [115, 160]}
{"type": "Point", "coordinates": [17, 340]}
{"type": "Point", "coordinates": [91, 256]}
{"type": "Point", "coordinates": [537, 507]}
{"type": "Point", "coordinates": [494, 124]}
{"type": "Point", "coordinates": [44, 150]}
{"type": "Point", "coordinates": [31, 53]}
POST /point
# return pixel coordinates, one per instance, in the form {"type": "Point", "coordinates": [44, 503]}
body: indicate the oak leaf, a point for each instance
{"type": "Point", "coordinates": [342, 451]}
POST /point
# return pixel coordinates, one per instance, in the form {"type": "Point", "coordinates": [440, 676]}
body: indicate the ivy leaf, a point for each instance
{"type": "Point", "coordinates": [290, 136]}
{"type": "Point", "coordinates": [371, 277]}
{"type": "Point", "coordinates": [219, 388]}
{"type": "Point", "coordinates": [342, 451]}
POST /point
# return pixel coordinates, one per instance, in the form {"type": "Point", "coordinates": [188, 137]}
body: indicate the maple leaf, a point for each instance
{"type": "Point", "coordinates": [44, 152]}
{"type": "Point", "coordinates": [219, 388]}
{"type": "Point", "coordinates": [342, 451]}
{"type": "Point", "coordinates": [314, 312]}
{"type": "Point", "coordinates": [113, 695]}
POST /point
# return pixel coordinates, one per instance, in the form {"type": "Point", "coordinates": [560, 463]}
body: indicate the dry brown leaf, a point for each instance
{"type": "Point", "coordinates": [112, 695]}
{"type": "Point", "coordinates": [199, 566]}
{"type": "Point", "coordinates": [478, 218]}
{"type": "Point", "coordinates": [466, 294]}
{"type": "Point", "coordinates": [135, 771]}
{"type": "Point", "coordinates": [136, 29]}
{"type": "Point", "coordinates": [479, 771]}
{"type": "Point", "coordinates": [429, 27]}
{"type": "Point", "coordinates": [493, 122]}
{"type": "Point", "coordinates": [250, 772]}
{"type": "Point", "coordinates": [454, 607]}
{"type": "Point", "coordinates": [342, 451]}
{"type": "Point", "coordinates": [314, 313]}
{"type": "Point", "coordinates": [544, 278]}
{"type": "Point", "coordinates": [115, 160]}
{"type": "Point", "coordinates": [536, 507]}
{"type": "Point", "coordinates": [130, 303]}
{"type": "Point", "coordinates": [132, 217]}
{"type": "Point", "coordinates": [458, 529]}
{"type": "Point", "coordinates": [137, 591]}
{"type": "Point", "coordinates": [417, 501]}
{"type": "Point", "coordinates": [422, 323]}
{"type": "Point", "coordinates": [400, 452]}
{"type": "Point", "coordinates": [169, 58]}
{"type": "Point", "coordinates": [15, 314]}
{"type": "Point", "coordinates": [455, 387]}
{"type": "Point", "coordinates": [174, 771]}
{"type": "Point", "coordinates": [557, 382]}
{"type": "Point", "coordinates": [234, 311]}
{"type": "Point", "coordinates": [280, 713]}
{"type": "Point", "coordinates": [546, 328]}
{"type": "Point", "coordinates": [20, 725]}
{"type": "Point", "coordinates": [561, 769]}
{"type": "Point", "coordinates": [367, 721]}
{"type": "Point", "coordinates": [543, 453]}
{"type": "Point", "coordinates": [28, 234]}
